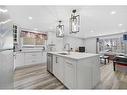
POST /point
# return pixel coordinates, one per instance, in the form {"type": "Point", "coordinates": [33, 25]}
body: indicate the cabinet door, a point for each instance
{"type": "Point", "coordinates": [19, 60]}
{"type": "Point", "coordinates": [96, 72]}
{"type": "Point", "coordinates": [60, 69]}
{"type": "Point", "coordinates": [84, 73]}
{"type": "Point", "coordinates": [30, 59]}
{"type": "Point", "coordinates": [6, 69]}
{"type": "Point", "coordinates": [34, 58]}
{"type": "Point", "coordinates": [69, 74]}
{"type": "Point", "coordinates": [44, 57]}
{"type": "Point", "coordinates": [55, 66]}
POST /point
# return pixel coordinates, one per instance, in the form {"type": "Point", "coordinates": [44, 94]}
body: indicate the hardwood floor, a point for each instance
{"type": "Point", "coordinates": [111, 79]}
{"type": "Point", "coordinates": [37, 77]}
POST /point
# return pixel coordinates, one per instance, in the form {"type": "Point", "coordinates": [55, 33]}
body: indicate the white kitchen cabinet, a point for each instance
{"type": "Point", "coordinates": [96, 71]}
{"type": "Point", "coordinates": [64, 70]}
{"type": "Point", "coordinates": [84, 67]}
{"type": "Point", "coordinates": [69, 74]}
{"type": "Point", "coordinates": [55, 66]}
{"type": "Point", "coordinates": [33, 58]}
{"type": "Point", "coordinates": [77, 73]}
{"type": "Point", "coordinates": [89, 67]}
{"type": "Point", "coordinates": [58, 68]}
{"type": "Point", "coordinates": [19, 60]}
{"type": "Point", "coordinates": [6, 69]}
{"type": "Point", "coordinates": [61, 69]}
{"type": "Point", "coordinates": [44, 57]}
{"type": "Point", "coordinates": [29, 58]}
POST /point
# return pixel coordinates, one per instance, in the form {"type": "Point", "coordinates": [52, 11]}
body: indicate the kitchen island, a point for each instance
{"type": "Point", "coordinates": [76, 70]}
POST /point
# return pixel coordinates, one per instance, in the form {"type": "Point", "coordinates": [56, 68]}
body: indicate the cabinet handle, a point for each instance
{"type": "Point", "coordinates": [56, 60]}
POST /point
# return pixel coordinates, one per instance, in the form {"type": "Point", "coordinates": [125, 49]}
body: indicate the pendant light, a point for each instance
{"type": "Point", "coordinates": [74, 22]}
{"type": "Point", "coordinates": [60, 30]}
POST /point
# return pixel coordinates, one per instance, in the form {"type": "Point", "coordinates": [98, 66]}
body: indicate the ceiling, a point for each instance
{"type": "Point", "coordinates": [94, 20]}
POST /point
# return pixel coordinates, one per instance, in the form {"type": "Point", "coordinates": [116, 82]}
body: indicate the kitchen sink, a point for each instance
{"type": "Point", "coordinates": [63, 53]}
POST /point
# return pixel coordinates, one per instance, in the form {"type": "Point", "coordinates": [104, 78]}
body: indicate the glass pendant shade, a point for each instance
{"type": "Point", "coordinates": [60, 30]}
{"type": "Point", "coordinates": [74, 22]}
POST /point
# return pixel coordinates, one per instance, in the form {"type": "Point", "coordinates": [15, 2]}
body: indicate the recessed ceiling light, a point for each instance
{"type": "Point", "coordinates": [30, 18]}
{"type": "Point", "coordinates": [100, 34]}
{"type": "Point", "coordinates": [113, 12]}
{"type": "Point", "coordinates": [35, 29]}
{"type": "Point", "coordinates": [120, 25]}
{"type": "Point", "coordinates": [3, 10]}
{"type": "Point", "coordinates": [91, 31]}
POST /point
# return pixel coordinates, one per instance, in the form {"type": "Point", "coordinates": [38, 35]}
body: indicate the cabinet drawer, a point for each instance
{"type": "Point", "coordinates": [70, 62]}
{"type": "Point", "coordinates": [32, 61]}
{"type": "Point", "coordinates": [33, 58]}
{"type": "Point", "coordinates": [33, 55]}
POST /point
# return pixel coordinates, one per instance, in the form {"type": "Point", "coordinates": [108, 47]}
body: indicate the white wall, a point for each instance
{"type": "Point", "coordinates": [73, 41]}
{"type": "Point", "coordinates": [60, 42]}
{"type": "Point", "coordinates": [57, 41]}
{"type": "Point", "coordinates": [90, 45]}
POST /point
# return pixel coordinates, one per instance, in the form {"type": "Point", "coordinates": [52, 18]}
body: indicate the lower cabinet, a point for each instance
{"type": "Point", "coordinates": [44, 57]}
{"type": "Point", "coordinates": [96, 72]}
{"type": "Point", "coordinates": [29, 58]}
{"type": "Point", "coordinates": [69, 74]}
{"type": "Point", "coordinates": [6, 69]}
{"type": "Point", "coordinates": [84, 74]}
{"type": "Point", "coordinates": [33, 58]}
{"type": "Point", "coordinates": [77, 74]}
{"type": "Point", "coordinates": [58, 68]}
{"type": "Point", "coordinates": [19, 60]}
{"type": "Point", "coordinates": [64, 70]}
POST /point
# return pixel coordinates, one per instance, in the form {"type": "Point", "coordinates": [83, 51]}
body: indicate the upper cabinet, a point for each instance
{"type": "Point", "coordinates": [33, 39]}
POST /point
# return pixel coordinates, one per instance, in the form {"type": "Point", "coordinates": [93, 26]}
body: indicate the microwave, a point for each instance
{"type": "Point", "coordinates": [81, 49]}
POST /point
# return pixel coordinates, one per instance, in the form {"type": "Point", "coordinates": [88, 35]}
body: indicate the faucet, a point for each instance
{"type": "Point", "coordinates": [68, 49]}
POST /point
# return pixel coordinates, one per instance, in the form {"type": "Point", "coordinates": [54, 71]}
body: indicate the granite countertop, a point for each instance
{"type": "Point", "coordinates": [75, 55]}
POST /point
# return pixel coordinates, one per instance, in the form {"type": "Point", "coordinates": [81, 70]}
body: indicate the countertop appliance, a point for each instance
{"type": "Point", "coordinates": [50, 62]}
{"type": "Point", "coordinates": [81, 49]}
{"type": "Point", "coordinates": [6, 51]}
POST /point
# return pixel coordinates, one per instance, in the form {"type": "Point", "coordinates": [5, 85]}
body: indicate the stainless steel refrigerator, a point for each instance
{"type": "Point", "coordinates": [6, 50]}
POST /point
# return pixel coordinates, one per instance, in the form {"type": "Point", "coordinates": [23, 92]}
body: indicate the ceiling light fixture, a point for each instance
{"type": "Point", "coordinates": [6, 21]}
{"type": "Point", "coordinates": [60, 30]}
{"type": "Point", "coordinates": [120, 25]}
{"type": "Point", "coordinates": [74, 22]}
{"type": "Point", "coordinates": [35, 29]}
{"type": "Point", "coordinates": [91, 31]}
{"type": "Point", "coordinates": [3, 10]}
{"type": "Point", "coordinates": [113, 12]}
{"type": "Point", "coordinates": [30, 18]}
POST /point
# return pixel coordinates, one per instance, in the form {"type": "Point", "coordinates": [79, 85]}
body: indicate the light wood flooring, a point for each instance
{"type": "Point", "coordinates": [37, 77]}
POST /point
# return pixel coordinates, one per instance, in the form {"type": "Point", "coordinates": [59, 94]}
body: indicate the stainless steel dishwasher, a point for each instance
{"type": "Point", "coordinates": [50, 62]}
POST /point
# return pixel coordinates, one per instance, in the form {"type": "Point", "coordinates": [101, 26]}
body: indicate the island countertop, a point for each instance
{"type": "Point", "coordinates": [74, 55]}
